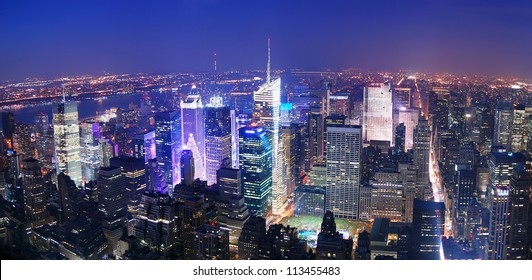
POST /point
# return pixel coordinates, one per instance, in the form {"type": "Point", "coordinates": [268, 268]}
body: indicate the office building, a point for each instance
{"type": "Point", "coordinates": [66, 139]}
{"type": "Point", "coordinates": [168, 145]}
{"type": "Point", "coordinates": [217, 137]}
{"type": "Point", "coordinates": [34, 188]}
{"type": "Point", "coordinates": [211, 243]}
{"type": "Point", "coordinates": [422, 158]}
{"type": "Point", "coordinates": [253, 232]}
{"type": "Point", "coordinates": [427, 229]}
{"type": "Point", "coordinates": [343, 147]}
{"type": "Point", "coordinates": [256, 164]}
{"type": "Point", "coordinates": [520, 183]}
{"type": "Point", "coordinates": [378, 113]}
{"type": "Point", "coordinates": [112, 204]}
{"type": "Point", "coordinates": [89, 151]}
{"type": "Point", "coordinates": [193, 129]}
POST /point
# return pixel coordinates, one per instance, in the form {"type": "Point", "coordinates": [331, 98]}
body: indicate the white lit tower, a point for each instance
{"type": "Point", "coordinates": [267, 113]}
{"type": "Point", "coordinates": [193, 128]}
{"type": "Point", "coordinates": [378, 112]}
{"type": "Point", "coordinates": [66, 138]}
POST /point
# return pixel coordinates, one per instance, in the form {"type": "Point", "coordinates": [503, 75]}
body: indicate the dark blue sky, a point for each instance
{"type": "Point", "coordinates": [76, 37]}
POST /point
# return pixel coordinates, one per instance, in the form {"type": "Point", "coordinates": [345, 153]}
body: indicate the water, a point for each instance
{"type": "Point", "coordinates": [86, 108]}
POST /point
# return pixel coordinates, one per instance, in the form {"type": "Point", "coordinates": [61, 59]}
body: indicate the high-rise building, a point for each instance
{"type": "Point", "coordinates": [69, 196]}
{"type": "Point", "coordinates": [211, 243]}
{"type": "Point", "coordinates": [134, 173]}
{"type": "Point", "coordinates": [520, 183]}
{"type": "Point", "coordinates": [155, 181]}
{"type": "Point", "coordinates": [66, 138]}
{"type": "Point", "coordinates": [256, 165]}
{"type": "Point", "coordinates": [499, 223]}
{"type": "Point", "coordinates": [143, 145]}
{"type": "Point", "coordinates": [427, 229]}
{"type": "Point", "coordinates": [168, 145]}
{"type": "Point", "coordinates": [89, 151]}
{"type": "Point", "coordinates": [217, 137]}
{"type": "Point", "coordinates": [253, 233]}
{"type": "Point", "coordinates": [156, 221]}
{"type": "Point", "coordinates": [387, 197]}
{"type": "Point", "coordinates": [331, 245]}
{"type": "Point", "coordinates": [232, 210]}
{"type": "Point", "coordinates": [422, 158]}
{"type": "Point", "coordinates": [378, 113]}
{"type": "Point", "coordinates": [113, 205]}
{"type": "Point", "coordinates": [193, 129]}
{"type": "Point", "coordinates": [400, 133]}
{"type": "Point", "coordinates": [42, 124]}
{"type": "Point", "coordinates": [503, 125]}
{"type": "Point", "coordinates": [409, 117]}
{"type": "Point", "coordinates": [33, 186]}
{"type": "Point", "coordinates": [344, 144]}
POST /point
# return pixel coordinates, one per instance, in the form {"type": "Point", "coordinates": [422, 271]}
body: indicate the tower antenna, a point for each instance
{"type": "Point", "coordinates": [268, 66]}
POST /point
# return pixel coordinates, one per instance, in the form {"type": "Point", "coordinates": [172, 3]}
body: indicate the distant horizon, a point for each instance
{"type": "Point", "coordinates": [489, 37]}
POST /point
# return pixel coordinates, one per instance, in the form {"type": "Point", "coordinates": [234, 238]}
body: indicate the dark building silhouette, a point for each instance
{"type": "Point", "coordinates": [427, 228]}
{"type": "Point", "coordinates": [331, 244]}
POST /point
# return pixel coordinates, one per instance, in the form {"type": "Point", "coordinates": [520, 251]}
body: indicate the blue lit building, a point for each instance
{"type": "Point", "coordinates": [217, 137]}
{"type": "Point", "coordinates": [168, 144]}
{"type": "Point", "coordinates": [255, 156]}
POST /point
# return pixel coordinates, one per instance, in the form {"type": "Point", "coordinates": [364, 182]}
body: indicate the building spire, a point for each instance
{"type": "Point", "coordinates": [64, 96]}
{"type": "Point", "coordinates": [268, 66]}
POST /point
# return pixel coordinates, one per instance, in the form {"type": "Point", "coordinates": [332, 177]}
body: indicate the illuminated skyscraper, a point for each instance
{"type": "Point", "coordinates": [66, 138]}
{"type": "Point", "coordinates": [520, 183]}
{"type": "Point", "coordinates": [267, 113]}
{"type": "Point", "coordinates": [498, 226]}
{"type": "Point", "coordinates": [89, 150]}
{"type": "Point", "coordinates": [378, 113]}
{"type": "Point", "coordinates": [211, 243]}
{"type": "Point", "coordinates": [144, 145]}
{"type": "Point", "coordinates": [503, 125]}
{"type": "Point", "coordinates": [256, 165]}
{"type": "Point", "coordinates": [168, 145]}
{"type": "Point", "coordinates": [410, 118]}
{"type": "Point", "coordinates": [193, 129]}
{"type": "Point", "coordinates": [217, 137]}
{"type": "Point", "coordinates": [422, 158]}
{"type": "Point", "coordinates": [344, 144]}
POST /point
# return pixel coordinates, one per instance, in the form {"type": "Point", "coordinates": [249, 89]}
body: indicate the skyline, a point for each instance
{"type": "Point", "coordinates": [165, 37]}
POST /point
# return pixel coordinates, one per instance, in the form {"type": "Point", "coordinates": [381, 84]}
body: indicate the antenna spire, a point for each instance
{"type": "Point", "coordinates": [268, 66]}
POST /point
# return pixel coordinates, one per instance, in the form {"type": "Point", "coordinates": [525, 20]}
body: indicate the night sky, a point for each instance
{"type": "Point", "coordinates": [89, 37]}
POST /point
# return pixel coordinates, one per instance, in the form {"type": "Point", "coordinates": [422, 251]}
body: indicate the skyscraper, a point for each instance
{"type": "Point", "coordinates": [193, 129]}
{"type": "Point", "coordinates": [113, 204]}
{"type": "Point", "coordinates": [267, 113]}
{"type": "Point", "coordinates": [378, 113]}
{"type": "Point", "coordinates": [133, 171]}
{"type": "Point", "coordinates": [168, 145]}
{"type": "Point", "coordinates": [422, 158]}
{"type": "Point", "coordinates": [253, 233]}
{"type": "Point", "coordinates": [498, 226]}
{"type": "Point", "coordinates": [89, 151]}
{"type": "Point", "coordinates": [232, 210]}
{"type": "Point", "coordinates": [256, 165]}
{"type": "Point", "coordinates": [343, 147]}
{"type": "Point", "coordinates": [66, 138]}
{"type": "Point", "coordinates": [503, 124]}
{"type": "Point", "coordinates": [410, 118]}
{"type": "Point", "coordinates": [217, 137]}
{"type": "Point", "coordinates": [33, 186]}
{"type": "Point", "coordinates": [211, 243]}
{"type": "Point", "coordinates": [520, 183]}
{"type": "Point", "coordinates": [427, 228]}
